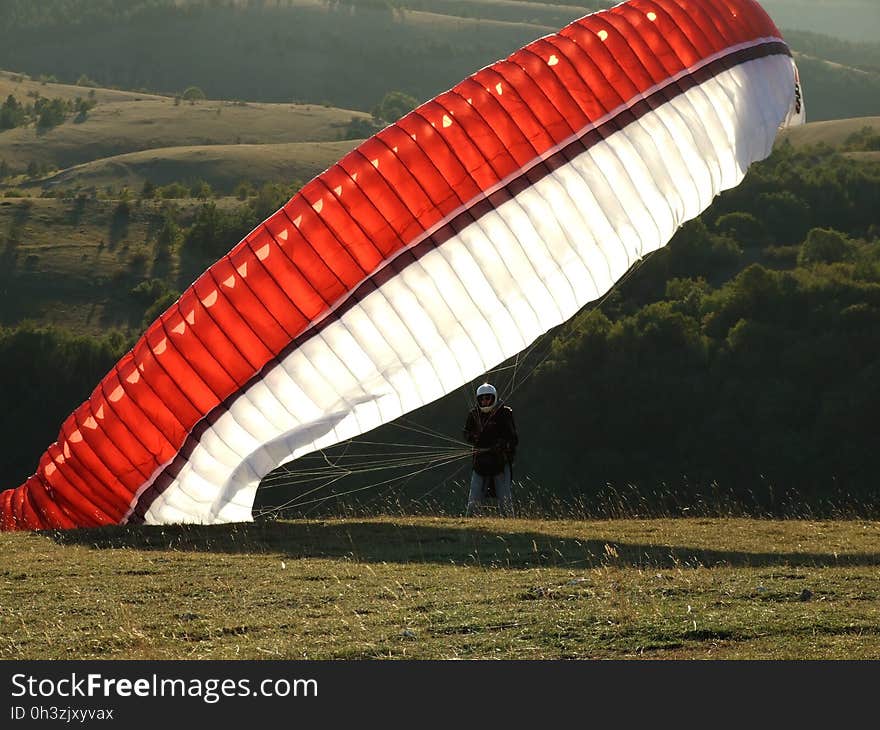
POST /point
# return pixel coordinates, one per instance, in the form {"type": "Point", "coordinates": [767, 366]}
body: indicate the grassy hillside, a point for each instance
{"type": "Point", "coordinates": [444, 588]}
{"type": "Point", "coordinates": [73, 263]}
{"type": "Point", "coordinates": [351, 53]}
{"type": "Point", "coordinates": [118, 127]}
{"type": "Point", "coordinates": [112, 129]}
{"type": "Point", "coordinates": [835, 91]}
{"type": "Point", "coordinates": [222, 166]}
{"type": "Point", "coordinates": [833, 132]}
{"type": "Point", "coordinates": [23, 86]}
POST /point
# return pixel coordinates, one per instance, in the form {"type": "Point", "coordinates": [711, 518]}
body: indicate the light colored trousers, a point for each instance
{"type": "Point", "coordinates": [479, 483]}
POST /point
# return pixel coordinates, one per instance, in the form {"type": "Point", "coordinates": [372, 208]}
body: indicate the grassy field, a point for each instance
{"type": "Point", "coordinates": [444, 588]}
{"type": "Point", "coordinates": [129, 138]}
{"type": "Point", "coordinates": [73, 263]}
{"type": "Point", "coordinates": [116, 128]}
{"type": "Point", "coordinates": [833, 133]}
{"type": "Point", "coordinates": [223, 166]}
{"type": "Point", "coordinates": [23, 87]}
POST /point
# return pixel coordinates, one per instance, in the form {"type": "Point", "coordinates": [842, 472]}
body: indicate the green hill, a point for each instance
{"type": "Point", "coordinates": [133, 123]}
{"type": "Point", "coordinates": [223, 167]}
{"type": "Point", "coordinates": [834, 132]}
{"type": "Point", "coordinates": [347, 54]}
{"type": "Point", "coordinates": [344, 54]}
{"type": "Point", "coordinates": [24, 87]}
{"type": "Point", "coordinates": [835, 91]}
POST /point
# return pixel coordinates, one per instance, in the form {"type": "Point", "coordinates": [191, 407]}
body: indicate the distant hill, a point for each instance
{"type": "Point", "coordinates": [853, 20]}
{"type": "Point", "coordinates": [24, 87]}
{"type": "Point", "coordinates": [349, 53]}
{"type": "Point", "coordinates": [124, 122]}
{"type": "Point", "coordinates": [865, 56]}
{"type": "Point", "coordinates": [833, 133]}
{"type": "Point", "coordinates": [221, 166]}
{"type": "Point", "coordinates": [835, 91]}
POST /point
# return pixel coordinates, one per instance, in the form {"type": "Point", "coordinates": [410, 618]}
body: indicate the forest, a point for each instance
{"type": "Point", "coordinates": [740, 360]}
{"type": "Point", "coordinates": [278, 52]}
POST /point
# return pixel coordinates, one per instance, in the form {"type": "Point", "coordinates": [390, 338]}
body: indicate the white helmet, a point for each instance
{"type": "Point", "coordinates": [486, 404]}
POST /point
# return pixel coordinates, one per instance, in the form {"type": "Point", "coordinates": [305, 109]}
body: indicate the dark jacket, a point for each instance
{"type": "Point", "coordinates": [494, 437]}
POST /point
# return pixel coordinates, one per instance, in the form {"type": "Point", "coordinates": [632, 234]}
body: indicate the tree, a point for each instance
{"type": "Point", "coordinates": [393, 106]}
{"type": "Point", "coordinates": [12, 113]}
{"type": "Point", "coordinates": [82, 108]}
{"type": "Point", "coordinates": [201, 189]}
{"type": "Point", "coordinates": [744, 227]}
{"type": "Point", "coordinates": [50, 112]}
{"type": "Point", "coordinates": [168, 238]}
{"type": "Point", "coordinates": [269, 198]}
{"type": "Point", "coordinates": [193, 94]}
{"type": "Point", "coordinates": [785, 216]}
{"type": "Point", "coordinates": [824, 246]}
{"type": "Point", "coordinates": [244, 189]}
{"type": "Point", "coordinates": [360, 128]}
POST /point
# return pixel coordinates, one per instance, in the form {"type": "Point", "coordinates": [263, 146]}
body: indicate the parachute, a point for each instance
{"type": "Point", "coordinates": [435, 250]}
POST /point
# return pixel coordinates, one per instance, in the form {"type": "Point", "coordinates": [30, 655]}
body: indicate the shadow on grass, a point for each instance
{"type": "Point", "coordinates": [373, 542]}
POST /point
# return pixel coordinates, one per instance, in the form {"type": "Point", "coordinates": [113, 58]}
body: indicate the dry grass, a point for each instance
{"type": "Point", "coordinates": [833, 133]}
{"type": "Point", "coordinates": [441, 588]}
{"type": "Point", "coordinates": [223, 166]}
{"type": "Point", "coordinates": [129, 136]}
{"type": "Point", "coordinates": [23, 88]}
{"type": "Point", "coordinates": [119, 127]}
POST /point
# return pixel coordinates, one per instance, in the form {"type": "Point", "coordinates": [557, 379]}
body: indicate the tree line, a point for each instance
{"type": "Point", "coordinates": [865, 56]}
{"type": "Point", "coordinates": [193, 238]}
{"type": "Point", "coordinates": [741, 360]}
{"type": "Point", "coordinates": [279, 51]}
{"type": "Point", "coordinates": [45, 113]}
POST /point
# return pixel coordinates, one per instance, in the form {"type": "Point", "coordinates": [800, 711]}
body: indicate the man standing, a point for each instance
{"type": "Point", "coordinates": [492, 431]}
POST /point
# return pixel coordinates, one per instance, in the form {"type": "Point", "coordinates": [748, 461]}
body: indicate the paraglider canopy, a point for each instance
{"type": "Point", "coordinates": [438, 248]}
